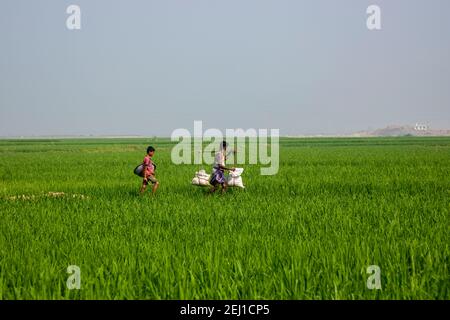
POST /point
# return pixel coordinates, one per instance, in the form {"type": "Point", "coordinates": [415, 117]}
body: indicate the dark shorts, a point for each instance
{"type": "Point", "coordinates": [217, 177]}
{"type": "Point", "coordinates": [151, 179]}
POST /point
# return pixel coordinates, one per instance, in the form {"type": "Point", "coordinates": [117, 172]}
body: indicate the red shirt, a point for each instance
{"type": "Point", "coordinates": [148, 165]}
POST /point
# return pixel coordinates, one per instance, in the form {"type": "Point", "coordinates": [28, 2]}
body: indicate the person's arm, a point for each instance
{"type": "Point", "coordinates": [225, 168]}
{"type": "Point", "coordinates": [145, 164]}
{"type": "Point", "coordinates": [152, 168]}
{"type": "Point", "coordinates": [222, 164]}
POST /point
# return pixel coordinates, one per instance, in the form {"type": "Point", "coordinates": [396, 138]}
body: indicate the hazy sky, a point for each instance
{"type": "Point", "coordinates": [149, 67]}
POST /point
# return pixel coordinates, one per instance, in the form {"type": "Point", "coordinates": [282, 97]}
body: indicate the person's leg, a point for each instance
{"type": "Point", "coordinates": [213, 183]}
{"type": "Point", "coordinates": [143, 187]}
{"type": "Point", "coordinates": [214, 188]}
{"type": "Point", "coordinates": [155, 186]}
{"type": "Point", "coordinates": [224, 187]}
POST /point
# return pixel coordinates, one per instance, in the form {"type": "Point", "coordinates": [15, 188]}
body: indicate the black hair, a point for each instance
{"type": "Point", "coordinates": [224, 144]}
{"type": "Point", "coordinates": [150, 149]}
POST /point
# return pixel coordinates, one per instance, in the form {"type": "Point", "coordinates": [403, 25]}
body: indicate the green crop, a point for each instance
{"type": "Point", "coordinates": [335, 207]}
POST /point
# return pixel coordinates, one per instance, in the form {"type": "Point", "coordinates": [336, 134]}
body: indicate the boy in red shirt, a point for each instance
{"type": "Point", "coordinates": [149, 171]}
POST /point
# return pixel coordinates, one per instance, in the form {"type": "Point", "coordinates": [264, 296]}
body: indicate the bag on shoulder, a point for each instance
{"type": "Point", "coordinates": [139, 170]}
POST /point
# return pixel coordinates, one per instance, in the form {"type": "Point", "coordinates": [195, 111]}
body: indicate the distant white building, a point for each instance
{"type": "Point", "coordinates": [421, 127]}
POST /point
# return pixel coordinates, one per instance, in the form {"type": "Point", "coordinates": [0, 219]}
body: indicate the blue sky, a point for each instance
{"type": "Point", "coordinates": [149, 67]}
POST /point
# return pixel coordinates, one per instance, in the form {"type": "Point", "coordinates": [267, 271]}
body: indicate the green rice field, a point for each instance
{"type": "Point", "coordinates": [336, 206]}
